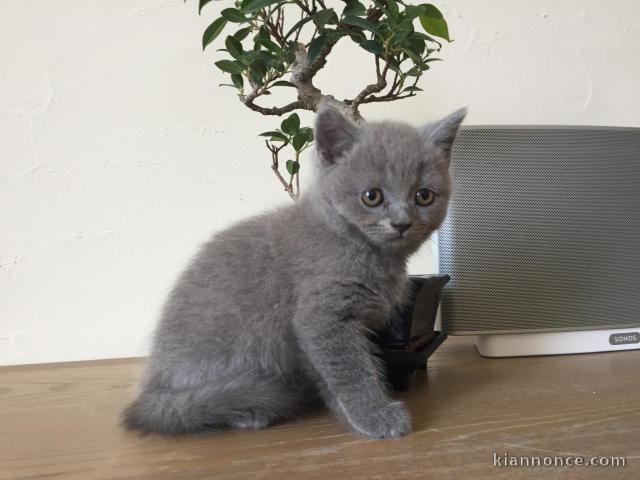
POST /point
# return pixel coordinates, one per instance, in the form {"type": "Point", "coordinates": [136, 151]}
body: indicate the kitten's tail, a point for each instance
{"type": "Point", "coordinates": [205, 408]}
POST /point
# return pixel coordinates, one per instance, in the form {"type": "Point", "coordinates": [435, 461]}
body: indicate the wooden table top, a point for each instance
{"type": "Point", "coordinates": [61, 421]}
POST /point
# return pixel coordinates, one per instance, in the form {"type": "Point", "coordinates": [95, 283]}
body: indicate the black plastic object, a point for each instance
{"type": "Point", "coordinates": [410, 338]}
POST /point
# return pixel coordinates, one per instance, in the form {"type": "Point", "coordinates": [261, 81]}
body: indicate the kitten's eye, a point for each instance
{"type": "Point", "coordinates": [372, 198]}
{"type": "Point", "coordinates": [424, 197]}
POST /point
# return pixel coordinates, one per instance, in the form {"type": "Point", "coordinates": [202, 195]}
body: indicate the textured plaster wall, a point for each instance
{"type": "Point", "coordinates": [119, 154]}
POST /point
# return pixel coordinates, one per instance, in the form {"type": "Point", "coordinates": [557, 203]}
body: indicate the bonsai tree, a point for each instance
{"type": "Point", "coordinates": [283, 44]}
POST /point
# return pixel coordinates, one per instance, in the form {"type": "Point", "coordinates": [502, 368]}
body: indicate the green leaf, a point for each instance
{"type": "Point", "coordinates": [263, 31]}
{"type": "Point", "coordinates": [414, 57]}
{"type": "Point", "coordinates": [394, 65]}
{"type": "Point", "coordinates": [415, 43]}
{"type": "Point", "coordinates": [433, 22]}
{"type": "Point", "coordinates": [398, 37]}
{"type": "Point", "coordinates": [284, 83]}
{"type": "Point", "coordinates": [242, 33]}
{"type": "Point", "coordinates": [247, 57]}
{"type": "Point", "coordinates": [336, 34]}
{"type": "Point", "coordinates": [237, 80]}
{"type": "Point", "coordinates": [373, 46]}
{"type": "Point", "coordinates": [316, 45]}
{"type": "Point", "coordinates": [292, 167]}
{"type": "Point", "coordinates": [259, 68]}
{"type": "Point", "coordinates": [412, 89]}
{"type": "Point", "coordinates": [299, 141]}
{"type": "Point", "coordinates": [392, 8]}
{"type": "Point", "coordinates": [324, 16]}
{"type": "Point", "coordinates": [357, 36]}
{"type": "Point", "coordinates": [262, 34]}
{"type": "Point", "coordinates": [202, 4]}
{"type": "Point", "coordinates": [268, 44]}
{"type": "Point", "coordinates": [291, 124]}
{"type": "Point", "coordinates": [257, 79]}
{"type": "Point", "coordinates": [268, 58]}
{"type": "Point", "coordinates": [275, 135]}
{"type": "Point", "coordinates": [308, 133]}
{"type": "Point", "coordinates": [213, 31]}
{"type": "Point", "coordinates": [354, 8]}
{"type": "Point", "coordinates": [414, 11]}
{"type": "Point", "coordinates": [234, 47]}
{"type": "Point", "coordinates": [230, 66]}
{"type": "Point", "coordinates": [360, 22]}
{"type": "Point", "coordinates": [297, 25]}
{"type": "Point", "coordinates": [425, 37]}
{"type": "Point", "coordinates": [233, 15]}
{"type": "Point", "coordinates": [253, 5]}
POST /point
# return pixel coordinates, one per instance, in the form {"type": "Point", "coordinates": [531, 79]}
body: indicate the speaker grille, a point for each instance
{"type": "Point", "coordinates": [543, 230]}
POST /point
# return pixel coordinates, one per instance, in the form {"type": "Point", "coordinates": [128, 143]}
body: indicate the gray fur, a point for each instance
{"type": "Point", "coordinates": [276, 311]}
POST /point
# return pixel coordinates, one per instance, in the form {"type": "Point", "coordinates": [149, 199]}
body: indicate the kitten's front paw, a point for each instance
{"type": "Point", "coordinates": [390, 421]}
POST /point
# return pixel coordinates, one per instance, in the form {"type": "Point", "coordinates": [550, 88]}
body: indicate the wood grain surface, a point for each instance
{"type": "Point", "coordinates": [60, 421]}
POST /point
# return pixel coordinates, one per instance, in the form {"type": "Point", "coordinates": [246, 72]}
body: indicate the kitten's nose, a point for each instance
{"type": "Point", "coordinates": [401, 227]}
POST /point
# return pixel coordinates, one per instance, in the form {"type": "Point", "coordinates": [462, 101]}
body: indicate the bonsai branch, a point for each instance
{"type": "Point", "coordinates": [275, 26]}
{"type": "Point", "coordinates": [377, 87]}
{"type": "Point", "coordinates": [309, 96]}
{"type": "Point", "coordinates": [387, 98]}
{"type": "Point", "coordinates": [294, 192]}
{"type": "Point", "coordinates": [394, 93]}
{"type": "Point", "coordinates": [304, 6]}
{"type": "Point", "coordinates": [302, 74]}
{"type": "Point", "coordinates": [248, 101]}
{"type": "Point", "coordinates": [304, 71]}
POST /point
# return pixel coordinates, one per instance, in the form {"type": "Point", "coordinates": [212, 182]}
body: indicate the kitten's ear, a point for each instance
{"type": "Point", "coordinates": [441, 134]}
{"type": "Point", "coordinates": [334, 134]}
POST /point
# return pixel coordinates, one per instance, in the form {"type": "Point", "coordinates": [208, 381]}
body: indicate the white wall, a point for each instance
{"type": "Point", "coordinates": [119, 154]}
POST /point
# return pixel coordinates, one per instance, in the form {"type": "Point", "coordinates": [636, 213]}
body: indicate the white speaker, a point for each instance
{"type": "Point", "coordinates": [542, 239]}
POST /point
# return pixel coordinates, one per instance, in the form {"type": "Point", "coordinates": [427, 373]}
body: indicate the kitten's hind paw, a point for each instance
{"type": "Point", "coordinates": [390, 421]}
{"type": "Point", "coordinates": [251, 422]}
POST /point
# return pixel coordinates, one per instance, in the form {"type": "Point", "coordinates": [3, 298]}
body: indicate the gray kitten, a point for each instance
{"type": "Point", "coordinates": [278, 310]}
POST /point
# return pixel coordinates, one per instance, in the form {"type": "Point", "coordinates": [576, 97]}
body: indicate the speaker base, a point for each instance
{"type": "Point", "coordinates": [557, 343]}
